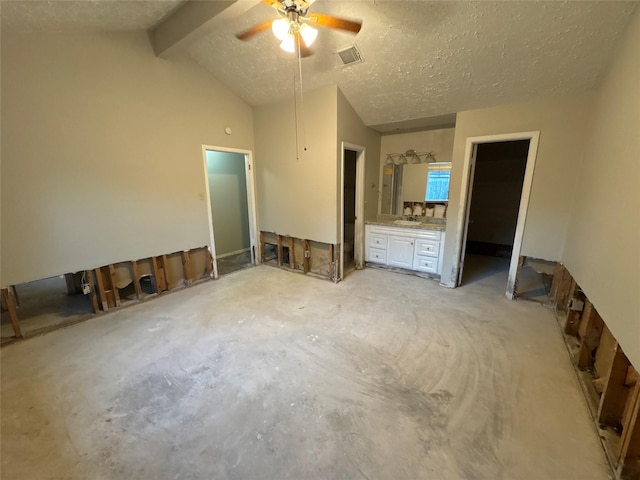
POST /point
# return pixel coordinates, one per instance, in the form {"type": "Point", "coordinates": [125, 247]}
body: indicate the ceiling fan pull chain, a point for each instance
{"type": "Point", "coordinates": [295, 113]}
{"type": "Point", "coordinates": [304, 129]}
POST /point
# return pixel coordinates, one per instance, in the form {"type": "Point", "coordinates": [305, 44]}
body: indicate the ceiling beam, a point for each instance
{"type": "Point", "coordinates": [191, 21]}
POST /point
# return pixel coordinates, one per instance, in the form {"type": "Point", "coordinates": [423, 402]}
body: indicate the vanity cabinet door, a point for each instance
{"type": "Point", "coordinates": [400, 252]}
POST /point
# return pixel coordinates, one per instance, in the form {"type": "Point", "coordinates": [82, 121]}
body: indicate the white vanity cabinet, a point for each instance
{"type": "Point", "coordinates": [409, 248]}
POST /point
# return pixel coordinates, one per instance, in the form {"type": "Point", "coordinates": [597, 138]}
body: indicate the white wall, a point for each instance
{"type": "Point", "coordinates": [229, 202]}
{"type": "Point", "coordinates": [562, 123]}
{"type": "Point", "coordinates": [297, 193]}
{"type": "Point", "coordinates": [102, 151]}
{"type": "Point", "coordinates": [602, 251]}
{"type": "Point", "coordinates": [440, 142]}
{"type": "Point", "coordinates": [352, 130]}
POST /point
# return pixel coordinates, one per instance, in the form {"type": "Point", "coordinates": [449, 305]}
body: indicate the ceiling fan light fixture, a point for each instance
{"type": "Point", "coordinates": [280, 28]}
{"type": "Point", "coordinates": [289, 43]}
{"type": "Point", "coordinates": [308, 34]}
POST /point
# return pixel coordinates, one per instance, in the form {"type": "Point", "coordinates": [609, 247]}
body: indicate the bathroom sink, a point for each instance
{"type": "Point", "coordinates": [407, 223]}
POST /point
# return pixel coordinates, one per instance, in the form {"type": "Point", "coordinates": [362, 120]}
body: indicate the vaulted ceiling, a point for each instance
{"type": "Point", "coordinates": [423, 60]}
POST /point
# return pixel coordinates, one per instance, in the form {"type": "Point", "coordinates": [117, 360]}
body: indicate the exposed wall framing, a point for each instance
{"type": "Point", "coordinates": [611, 384]}
{"type": "Point", "coordinates": [300, 255]}
{"type": "Point", "coordinates": [119, 284]}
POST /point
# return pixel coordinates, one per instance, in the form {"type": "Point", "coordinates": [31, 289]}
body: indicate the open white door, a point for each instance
{"type": "Point", "coordinates": [251, 205]}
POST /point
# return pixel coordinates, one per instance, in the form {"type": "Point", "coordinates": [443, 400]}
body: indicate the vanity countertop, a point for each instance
{"type": "Point", "coordinates": [421, 223]}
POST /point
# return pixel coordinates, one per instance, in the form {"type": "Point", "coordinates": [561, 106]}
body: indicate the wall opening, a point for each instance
{"type": "Point", "coordinates": [230, 211]}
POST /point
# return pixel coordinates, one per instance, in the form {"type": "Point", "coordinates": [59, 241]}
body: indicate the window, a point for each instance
{"type": "Point", "coordinates": [438, 179]}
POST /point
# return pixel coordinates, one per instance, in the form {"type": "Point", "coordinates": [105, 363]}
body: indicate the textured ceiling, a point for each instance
{"type": "Point", "coordinates": [422, 59]}
{"type": "Point", "coordinates": [87, 15]}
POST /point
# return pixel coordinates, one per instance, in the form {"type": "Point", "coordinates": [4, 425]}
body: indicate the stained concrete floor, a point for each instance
{"type": "Point", "coordinates": [233, 263]}
{"type": "Point", "coordinates": [267, 374]}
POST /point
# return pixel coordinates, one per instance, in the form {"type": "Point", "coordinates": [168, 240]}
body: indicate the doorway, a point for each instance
{"type": "Point", "coordinates": [499, 172]}
{"type": "Point", "coordinates": [349, 206]}
{"type": "Point", "coordinates": [352, 209]}
{"type": "Point", "coordinates": [231, 210]}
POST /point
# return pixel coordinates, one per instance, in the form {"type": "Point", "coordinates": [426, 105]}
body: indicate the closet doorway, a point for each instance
{"type": "Point", "coordinates": [231, 209]}
{"type": "Point", "coordinates": [498, 173]}
{"type": "Point", "coordinates": [351, 209]}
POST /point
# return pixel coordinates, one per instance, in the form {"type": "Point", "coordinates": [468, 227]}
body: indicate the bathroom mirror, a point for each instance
{"type": "Point", "coordinates": [414, 183]}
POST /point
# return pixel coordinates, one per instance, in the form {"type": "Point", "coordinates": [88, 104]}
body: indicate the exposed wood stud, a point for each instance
{"type": "Point", "coordinates": [632, 382]}
{"type": "Point", "coordinates": [280, 254]}
{"type": "Point", "coordinates": [590, 331]}
{"type": "Point", "coordinates": [14, 291]}
{"type": "Point", "coordinates": [88, 276]}
{"type": "Point", "coordinates": [261, 247]}
{"type": "Point", "coordinates": [558, 274]}
{"type": "Point", "coordinates": [136, 279]}
{"type": "Point", "coordinates": [572, 322]}
{"type": "Point", "coordinates": [101, 289]}
{"type": "Point", "coordinates": [332, 262]}
{"type": "Point", "coordinates": [614, 395]}
{"type": "Point", "coordinates": [629, 459]}
{"type": "Point", "coordinates": [339, 272]}
{"type": "Point", "coordinates": [610, 381]}
{"type": "Point", "coordinates": [157, 283]}
{"type": "Point", "coordinates": [186, 268]}
{"type": "Point", "coordinates": [306, 264]}
{"type": "Point", "coordinates": [11, 308]}
{"type": "Point", "coordinates": [114, 286]}
{"type": "Point", "coordinates": [565, 292]}
{"type": "Point", "coordinates": [292, 257]}
{"type": "Point", "coordinates": [164, 272]}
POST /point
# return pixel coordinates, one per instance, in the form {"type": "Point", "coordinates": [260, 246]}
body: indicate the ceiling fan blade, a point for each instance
{"type": "Point", "coordinates": [256, 29]}
{"type": "Point", "coordinates": [329, 21]}
{"type": "Point", "coordinates": [274, 3]}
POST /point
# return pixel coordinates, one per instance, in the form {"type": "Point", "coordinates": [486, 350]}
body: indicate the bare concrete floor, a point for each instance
{"type": "Point", "coordinates": [267, 374]}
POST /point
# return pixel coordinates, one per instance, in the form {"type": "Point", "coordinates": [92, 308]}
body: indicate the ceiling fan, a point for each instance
{"type": "Point", "coordinates": [294, 27]}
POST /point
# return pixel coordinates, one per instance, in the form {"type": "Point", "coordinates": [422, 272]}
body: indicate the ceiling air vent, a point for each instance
{"type": "Point", "coordinates": [350, 55]}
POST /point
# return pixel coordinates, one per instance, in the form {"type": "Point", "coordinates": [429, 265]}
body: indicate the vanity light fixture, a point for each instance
{"type": "Point", "coordinates": [409, 157]}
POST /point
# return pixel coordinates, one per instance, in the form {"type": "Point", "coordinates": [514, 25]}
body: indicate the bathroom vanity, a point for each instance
{"type": "Point", "coordinates": [404, 244]}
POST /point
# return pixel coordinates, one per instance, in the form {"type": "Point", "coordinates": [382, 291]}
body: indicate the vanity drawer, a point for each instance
{"type": "Point", "coordinates": [434, 235]}
{"type": "Point", "coordinates": [426, 264]}
{"type": "Point", "coordinates": [377, 255]}
{"type": "Point", "coordinates": [427, 247]}
{"type": "Point", "coordinates": [377, 240]}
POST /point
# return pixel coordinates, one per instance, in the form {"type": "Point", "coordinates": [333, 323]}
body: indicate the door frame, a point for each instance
{"type": "Point", "coordinates": [358, 236]}
{"type": "Point", "coordinates": [468, 171]}
{"type": "Point", "coordinates": [251, 202]}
